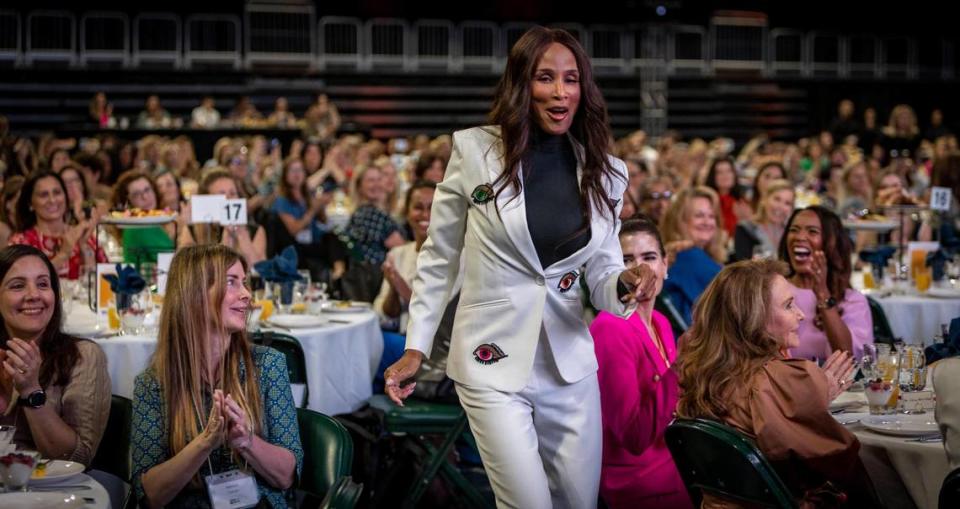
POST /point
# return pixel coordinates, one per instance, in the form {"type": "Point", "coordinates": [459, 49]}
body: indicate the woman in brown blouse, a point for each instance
{"type": "Point", "coordinates": [734, 368]}
{"type": "Point", "coordinates": [53, 387]}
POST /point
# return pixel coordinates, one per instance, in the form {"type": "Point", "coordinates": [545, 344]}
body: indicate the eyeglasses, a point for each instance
{"type": "Point", "coordinates": [665, 195]}
{"type": "Point", "coordinates": [136, 195]}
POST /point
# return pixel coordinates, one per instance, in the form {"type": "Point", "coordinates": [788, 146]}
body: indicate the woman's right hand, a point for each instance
{"type": "Point", "coordinates": [213, 432]}
{"type": "Point", "coordinates": [839, 372]}
{"type": "Point", "coordinates": [399, 373]}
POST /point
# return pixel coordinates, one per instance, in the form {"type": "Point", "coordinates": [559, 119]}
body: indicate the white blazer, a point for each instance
{"type": "Point", "coordinates": [506, 296]}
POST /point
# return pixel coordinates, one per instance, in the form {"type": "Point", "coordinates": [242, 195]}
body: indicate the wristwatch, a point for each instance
{"type": "Point", "coordinates": [827, 304]}
{"type": "Point", "coordinates": [35, 399]}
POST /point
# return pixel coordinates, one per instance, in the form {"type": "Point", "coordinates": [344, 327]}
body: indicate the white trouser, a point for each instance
{"type": "Point", "coordinates": [541, 447]}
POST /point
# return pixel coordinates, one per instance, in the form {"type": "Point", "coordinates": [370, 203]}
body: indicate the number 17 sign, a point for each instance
{"type": "Point", "coordinates": [216, 208]}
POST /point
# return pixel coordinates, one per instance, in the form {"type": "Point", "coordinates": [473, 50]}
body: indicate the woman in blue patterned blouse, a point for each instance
{"type": "Point", "coordinates": [210, 402]}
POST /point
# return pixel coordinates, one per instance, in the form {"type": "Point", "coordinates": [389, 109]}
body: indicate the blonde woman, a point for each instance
{"type": "Point", "coordinates": [734, 367]}
{"type": "Point", "coordinates": [764, 232]}
{"type": "Point", "coordinates": [901, 137]}
{"type": "Point", "coordinates": [695, 245]}
{"type": "Point", "coordinates": [210, 402]}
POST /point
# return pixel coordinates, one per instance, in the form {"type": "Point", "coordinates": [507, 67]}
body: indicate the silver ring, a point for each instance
{"type": "Point", "coordinates": [22, 372]}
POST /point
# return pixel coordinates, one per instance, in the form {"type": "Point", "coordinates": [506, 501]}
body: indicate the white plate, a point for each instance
{"type": "Point", "coordinates": [901, 424]}
{"type": "Point", "coordinates": [297, 321]}
{"type": "Point", "coordinates": [137, 221]}
{"type": "Point", "coordinates": [39, 500]}
{"type": "Point", "coordinates": [943, 293]}
{"type": "Point", "coordinates": [847, 418]}
{"type": "Point", "coordinates": [871, 226]}
{"type": "Point", "coordinates": [342, 306]}
{"type": "Point", "coordinates": [58, 470]}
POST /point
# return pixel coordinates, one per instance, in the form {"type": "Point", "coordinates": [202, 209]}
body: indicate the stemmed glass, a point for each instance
{"type": "Point", "coordinates": [913, 374]}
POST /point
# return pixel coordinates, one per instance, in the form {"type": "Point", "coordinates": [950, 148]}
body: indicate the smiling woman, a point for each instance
{"type": "Point", "coordinates": [42, 223]}
{"type": "Point", "coordinates": [53, 387]}
{"type": "Point", "coordinates": [818, 252]}
{"type": "Point", "coordinates": [210, 402]}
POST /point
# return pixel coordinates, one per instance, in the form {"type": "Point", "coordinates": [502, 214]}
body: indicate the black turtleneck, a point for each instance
{"type": "Point", "coordinates": [551, 195]}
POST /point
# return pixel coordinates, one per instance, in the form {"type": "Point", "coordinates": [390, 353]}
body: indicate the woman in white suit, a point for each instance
{"type": "Point", "coordinates": [533, 203]}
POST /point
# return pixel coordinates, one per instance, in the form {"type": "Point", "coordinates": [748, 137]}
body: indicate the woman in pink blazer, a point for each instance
{"type": "Point", "coordinates": [638, 390]}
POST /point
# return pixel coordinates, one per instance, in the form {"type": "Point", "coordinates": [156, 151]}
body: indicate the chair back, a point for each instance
{"type": "Point", "coordinates": [716, 459]}
{"type": "Point", "coordinates": [296, 360]}
{"type": "Point", "coordinates": [278, 237]}
{"type": "Point", "coordinates": [950, 491]}
{"type": "Point", "coordinates": [113, 455]}
{"type": "Point", "coordinates": [343, 495]}
{"type": "Point", "coordinates": [327, 451]}
{"type": "Point", "coordinates": [882, 332]}
{"type": "Point", "coordinates": [666, 308]}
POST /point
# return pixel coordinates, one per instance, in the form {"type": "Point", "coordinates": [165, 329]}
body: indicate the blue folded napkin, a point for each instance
{"type": "Point", "coordinates": [949, 348]}
{"type": "Point", "coordinates": [877, 256]}
{"type": "Point", "coordinates": [127, 280]}
{"type": "Point", "coordinates": [281, 268]}
{"type": "Point", "coordinates": [938, 261]}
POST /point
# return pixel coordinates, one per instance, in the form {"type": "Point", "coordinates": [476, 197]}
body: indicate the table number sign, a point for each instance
{"type": "Point", "coordinates": [940, 198]}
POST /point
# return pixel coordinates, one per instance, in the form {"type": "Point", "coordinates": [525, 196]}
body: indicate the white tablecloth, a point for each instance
{"type": "Point", "coordinates": [341, 358]}
{"type": "Point", "coordinates": [920, 466]}
{"type": "Point", "coordinates": [917, 319]}
{"type": "Point", "coordinates": [82, 486]}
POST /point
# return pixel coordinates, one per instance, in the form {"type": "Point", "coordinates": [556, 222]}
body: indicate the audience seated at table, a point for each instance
{"type": "Point", "coordinates": [817, 250]}
{"type": "Point", "coordinates": [722, 178]}
{"type": "Point", "coordinates": [154, 116]}
{"type": "Point", "coordinates": [281, 115]}
{"type": "Point", "coordinates": [249, 240]}
{"type": "Point", "coordinates": [8, 207]}
{"type": "Point", "coordinates": [302, 215]}
{"type": "Point", "coordinates": [42, 223]}
{"type": "Point", "coordinates": [136, 189]}
{"type": "Point", "coordinates": [210, 401]}
{"type": "Point", "coordinates": [205, 115]}
{"type": "Point", "coordinates": [762, 234]}
{"type": "Point", "coordinates": [53, 387]}
{"type": "Point", "coordinates": [638, 390]}
{"type": "Point", "coordinates": [322, 120]}
{"type": "Point", "coordinates": [734, 367]}
{"type": "Point", "coordinates": [371, 228]}
{"type": "Point", "coordinates": [695, 242]}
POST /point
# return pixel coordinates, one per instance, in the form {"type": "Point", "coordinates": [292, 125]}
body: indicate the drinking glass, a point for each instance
{"type": "Point", "coordinates": [6, 437]}
{"type": "Point", "coordinates": [16, 469]}
{"type": "Point", "coordinates": [283, 296]}
{"type": "Point", "coordinates": [883, 389]}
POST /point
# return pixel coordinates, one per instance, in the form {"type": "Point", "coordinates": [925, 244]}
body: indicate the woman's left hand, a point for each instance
{"type": "Point", "coordinates": [839, 372]}
{"type": "Point", "coordinates": [22, 363]}
{"type": "Point", "coordinates": [642, 282]}
{"type": "Point", "coordinates": [239, 432]}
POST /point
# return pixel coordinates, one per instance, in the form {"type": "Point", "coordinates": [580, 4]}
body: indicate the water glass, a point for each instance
{"type": "Point", "coordinates": [283, 295]}
{"type": "Point", "coordinates": [913, 368]}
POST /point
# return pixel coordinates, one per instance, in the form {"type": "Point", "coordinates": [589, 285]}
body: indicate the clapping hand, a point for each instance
{"type": "Point", "coordinates": [839, 370]}
{"type": "Point", "coordinates": [21, 361]}
{"type": "Point", "coordinates": [238, 430]}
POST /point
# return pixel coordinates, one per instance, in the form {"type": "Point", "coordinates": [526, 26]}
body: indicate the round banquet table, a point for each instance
{"type": "Point", "coordinates": [917, 318]}
{"type": "Point", "coordinates": [341, 357]}
{"type": "Point", "coordinates": [897, 463]}
{"type": "Point", "coordinates": [92, 494]}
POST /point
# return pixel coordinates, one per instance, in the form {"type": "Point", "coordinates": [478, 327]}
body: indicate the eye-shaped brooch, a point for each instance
{"type": "Point", "coordinates": [567, 281]}
{"type": "Point", "coordinates": [488, 353]}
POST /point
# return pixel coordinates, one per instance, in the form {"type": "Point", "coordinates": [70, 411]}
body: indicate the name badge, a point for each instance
{"type": "Point", "coordinates": [232, 490]}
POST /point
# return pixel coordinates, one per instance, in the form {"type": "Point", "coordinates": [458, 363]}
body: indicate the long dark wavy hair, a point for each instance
{"type": "Point", "coordinates": [26, 217]}
{"type": "Point", "coordinates": [836, 246]}
{"type": "Point", "coordinates": [512, 111]}
{"type": "Point", "coordinates": [59, 351]}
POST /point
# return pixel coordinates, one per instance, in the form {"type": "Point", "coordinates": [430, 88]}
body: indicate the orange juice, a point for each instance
{"type": "Point", "coordinates": [267, 306]}
{"type": "Point", "coordinates": [106, 294]}
{"type": "Point", "coordinates": [299, 307]}
{"type": "Point", "coordinates": [918, 260]}
{"type": "Point", "coordinates": [868, 281]}
{"type": "Point", "coordinates": [923, 278]}
{"type": "Point", "coordinates": [113, 319]}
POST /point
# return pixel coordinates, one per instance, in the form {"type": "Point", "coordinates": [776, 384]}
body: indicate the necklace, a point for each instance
{"type": "Point", "coordinates": [655, 336]}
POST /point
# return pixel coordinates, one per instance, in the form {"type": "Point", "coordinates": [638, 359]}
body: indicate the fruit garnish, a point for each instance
{"type": "Point", "coordinates": [14, 457]}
